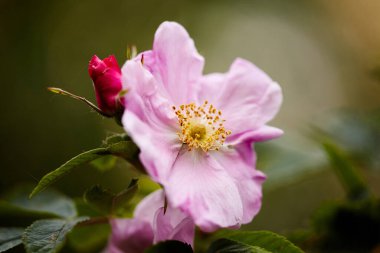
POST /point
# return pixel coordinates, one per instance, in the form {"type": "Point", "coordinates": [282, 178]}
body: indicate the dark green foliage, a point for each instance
{"type": "Point", "coordinates": [104, 163]}
{"type": "Point", "coordinates": [10, 237]}
{"type": "Point", "coordinates": [43, 235]}
{"type": "Point", "coordinates": [118, 145]}
{"type": "Point", "coordinates": [170, 246]}
{"type": "Point", "coordinates": [358, 134]}
{"type": "Point", "coordinates": [253, 241]}
{"type": "Point", "coordinates": [229, 246]}
{"type": "Point", "coordinates": [108, 202]}
{"type": "Point", "coordinates": [48, 236]}
{"type": "Point", "coordinates": [353, 225]}
{"type": "Point", "coordinates": [349, 227]}
{"type": "Point", "coordinates": [18, 210]}
{"type": "Point", "coordinates": [352, 181]}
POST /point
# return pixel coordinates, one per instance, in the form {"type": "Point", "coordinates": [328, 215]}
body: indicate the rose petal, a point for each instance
{"type": "Point", "coordinates": [142, 96]}
{"type": "Point", "coordinates": [106, 78]}
{"type": "Point", "coordinates": [158, 146]}
{"type": "Point", "coordinates": [111, 62]}
{"type": "Point", "coordinates": [200, 187]}
{"type": "Point", "coordinates": [239, 163]}
{"type": "Point", "coordinates": [149, 226]}
{"type": "Point", "coordinates": [147, 208]}
{"type": "Point", "coordinates": [174, 62]}
{"type": "Point", "coordinates": [263, 133]}
{"type": "Point", "coordinates": [150, 121]}
{"type": "Point", "coordinates": [184, 231]}
{"type": "Point", "coordinates": [129, 235]}
{"type": "Point", "coordinates": [247, 97]}
{"type": "Point", "coordinates": [167, 227]}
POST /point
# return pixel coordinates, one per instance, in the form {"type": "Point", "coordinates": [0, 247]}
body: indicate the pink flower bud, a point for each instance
{"type": "Point", "coordinates": [106, 76]}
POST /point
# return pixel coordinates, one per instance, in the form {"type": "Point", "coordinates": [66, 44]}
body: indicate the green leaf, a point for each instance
{"type": "Point", "coordinates": [125, 149]}
{"type": "Point", "coordinates": [99, 198]}
{"type": "Point", "coordinates": [48, 236]}
{"type": "Point", "coordinates": [67, 167]}
{"type": "Point", "coordinates": [131, 52]}
{"type": "Point", "coordinates": [16, 209]}
{"type": "Point", "coordinates": [10, 237]}
{"type": "Point", "coordinates": [50, 201]}
{"type": "Point", "coordinates": [170, 246]}
{"type": "Point", "coordinates": [123, 198]}
{"type": "Point", "coordinates": [356, 132]}
{"type": "Point", "coordinates": [104, 163]}
{"type": "Point", "coordinates": [109, 202]}
{"type": "Point", "coordinates": [84, 209]}
{"type": "Point", "coordinates": [11, 215]}
{"type": "Point", "coordinates": [115, 139]}
{"type": "Point", "coordinates": [260, 240]}
{"type": "Point", "coordinates": [351, 179]}
{"type": "Point", "coordinates": [228, 246]}
{"type": "Point", "coordinates": [88, 238]}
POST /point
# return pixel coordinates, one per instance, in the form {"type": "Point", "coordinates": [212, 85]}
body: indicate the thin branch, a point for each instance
{"type": "Point", "coordinates": [66, 93]}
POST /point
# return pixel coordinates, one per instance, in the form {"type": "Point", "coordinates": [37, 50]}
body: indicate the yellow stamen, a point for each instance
{"type": "Point", "coordinates": [201, 126]}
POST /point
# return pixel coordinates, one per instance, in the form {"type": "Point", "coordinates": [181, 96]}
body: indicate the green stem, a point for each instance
{"type": "Point", "coordinates": [66, 93]}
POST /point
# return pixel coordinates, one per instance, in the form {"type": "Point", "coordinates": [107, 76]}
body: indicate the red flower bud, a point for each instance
{"type": "Point", "coordinates": [106, 76]}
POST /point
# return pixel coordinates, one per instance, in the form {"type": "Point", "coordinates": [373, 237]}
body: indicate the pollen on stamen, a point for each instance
{"type": "Point", "coordinates": [201, 126]}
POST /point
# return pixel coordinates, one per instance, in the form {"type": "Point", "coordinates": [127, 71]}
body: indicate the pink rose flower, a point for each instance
{"type": "Point", "coordinates": [106, 76]}
{"type": "Point", "coordinates": [196, 132]}
{"type": "Point", "coordinates": [149, 226]}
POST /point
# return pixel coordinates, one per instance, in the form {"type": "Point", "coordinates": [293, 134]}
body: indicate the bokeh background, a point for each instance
{"type": "Point", "coordinates": [325, 55]}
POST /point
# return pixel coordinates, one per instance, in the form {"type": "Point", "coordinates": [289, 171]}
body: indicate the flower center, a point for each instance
{"type": "Point", "coordinates": [201, 126]}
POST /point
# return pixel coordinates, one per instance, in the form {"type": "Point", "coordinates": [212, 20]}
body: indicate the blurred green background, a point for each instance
{"type": "Point", "coordinates": [325, 55]}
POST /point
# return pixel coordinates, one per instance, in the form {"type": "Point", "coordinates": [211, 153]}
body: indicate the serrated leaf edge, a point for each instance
{"type": "Point", "coordinates": [57, 246]}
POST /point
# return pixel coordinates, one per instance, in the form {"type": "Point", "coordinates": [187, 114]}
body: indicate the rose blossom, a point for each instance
{"type": "Point", "coordinates": [106, 76]}
{"type": "Point", "coordinates": [196, 132]}
{"type": "Point", "coordinates": [150, 225]}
